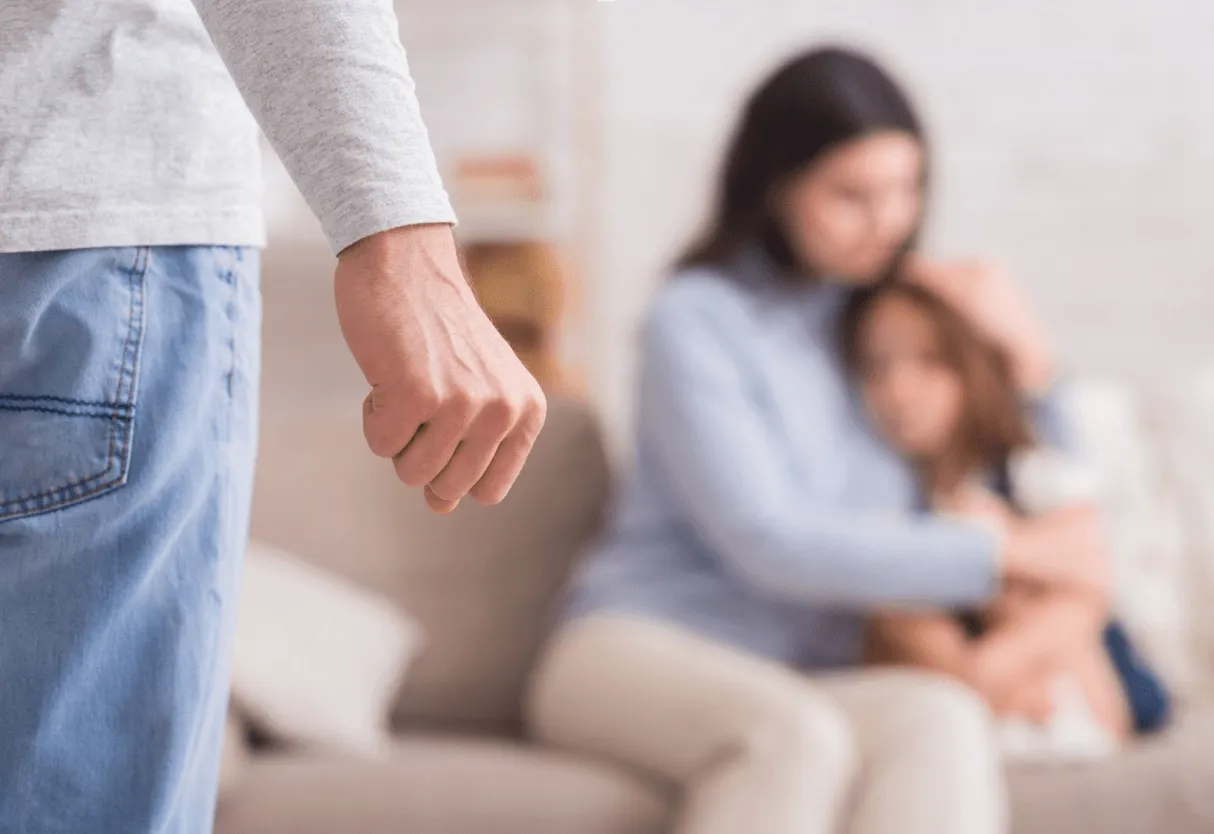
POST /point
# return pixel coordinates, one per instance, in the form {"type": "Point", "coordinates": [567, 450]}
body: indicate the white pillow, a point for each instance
{"type": "Point", "coordinates": [1184, 420]}
{"type": "Point", "coordinates": [1142, 524]}
{"type": "Point", "coordinates": [1045, 479]}
{"type": "Point", "coordinates": [317, 661]}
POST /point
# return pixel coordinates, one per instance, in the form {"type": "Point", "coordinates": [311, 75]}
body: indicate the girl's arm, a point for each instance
{"type": "Point", "coordinates": [1037, 624]}
{"type": "Point", "coordinates": [1038, 634]}
{"type": "Point", "coordinates": [938, 642]}
{"type": "Point", "coordinates": [1035, 627]}
{"type": "Point", "coordinates": [927, 641]}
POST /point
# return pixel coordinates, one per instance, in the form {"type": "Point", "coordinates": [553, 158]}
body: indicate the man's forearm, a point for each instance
{"type": "Point", "coordinates": [329, 84]}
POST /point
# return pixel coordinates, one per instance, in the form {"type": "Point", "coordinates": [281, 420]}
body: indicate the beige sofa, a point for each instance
{"type": "Point", "coordinates": [483, 582]}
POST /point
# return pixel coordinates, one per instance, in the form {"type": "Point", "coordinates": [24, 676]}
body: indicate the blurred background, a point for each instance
{"type": "Point", "coordinates": [579, 141]}
{"type": "Point", "coordinates": [1069, 146]}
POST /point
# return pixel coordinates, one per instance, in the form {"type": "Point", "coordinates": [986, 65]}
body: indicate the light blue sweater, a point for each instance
{"type": "Point", "coordinates": [762, 511]}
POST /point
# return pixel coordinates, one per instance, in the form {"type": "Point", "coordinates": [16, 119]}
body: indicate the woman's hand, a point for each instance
{"type": "Point", "coordinates": [1059, 549]}
{"type": "Point", "coordinates": [994, 305]}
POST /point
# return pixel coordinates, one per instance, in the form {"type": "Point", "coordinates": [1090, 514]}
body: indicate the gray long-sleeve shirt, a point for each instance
{"type": "Point", "coordinates": [120, 123]}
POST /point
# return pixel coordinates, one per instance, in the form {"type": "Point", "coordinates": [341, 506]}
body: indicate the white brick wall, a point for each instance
{"type": "Point", "coordinates": [1074, 143]}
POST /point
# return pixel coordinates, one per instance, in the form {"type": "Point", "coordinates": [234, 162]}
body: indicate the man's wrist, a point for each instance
{"type": "Point", "coordinates": [393, 242]}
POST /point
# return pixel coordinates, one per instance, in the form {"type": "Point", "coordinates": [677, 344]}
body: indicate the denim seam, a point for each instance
{"type": "Point", "coordinates": [24, 398]}
{"type": "Point", "coordinates": [122, 414]}
{"type": "Point", "coordinates": [111, 414]}
{"type": "Point", "coordinates": [228, 276]}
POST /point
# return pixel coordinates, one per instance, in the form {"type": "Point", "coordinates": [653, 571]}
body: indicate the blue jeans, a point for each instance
{"type": "Point", "coordinates": [128, 399]}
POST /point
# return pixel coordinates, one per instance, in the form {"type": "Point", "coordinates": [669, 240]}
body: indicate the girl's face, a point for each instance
{"type": "Point", "coordinates": [912, 396]}
{"type": "Point", "coordinates": [848, 215]}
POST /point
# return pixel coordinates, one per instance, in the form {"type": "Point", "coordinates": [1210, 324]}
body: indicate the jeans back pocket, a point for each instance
{"type": "Point", "coordinates": [71, 333]}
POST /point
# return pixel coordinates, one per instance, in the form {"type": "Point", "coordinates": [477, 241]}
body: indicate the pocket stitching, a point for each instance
{"type": "Point", "coordinates": [65, 400]}
{"type": "Point", "coordinates": [120, 414]}
{"type": "Point", "coordinates": [99, 411]}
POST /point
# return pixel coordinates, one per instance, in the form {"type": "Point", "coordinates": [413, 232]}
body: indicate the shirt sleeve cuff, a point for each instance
{"type": "Point", "coordinates": [992, 539]}
{"type": "Point", "coordinates": [391, 213]}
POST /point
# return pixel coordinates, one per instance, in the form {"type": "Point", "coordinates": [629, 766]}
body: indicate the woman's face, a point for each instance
{"type": "Point", "coordinates": [913, 397]}
{"type": "Point", "coordinates": [850, 212]}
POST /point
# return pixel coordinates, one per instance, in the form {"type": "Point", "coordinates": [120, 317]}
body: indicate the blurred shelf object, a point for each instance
{"type": "Point", "coordinates": [501, 198]}
{"type": "Point", "coordinates": [511, 94]}
{"type": "Point", "coordinates": [524, 288]}
{"type": "Point", "coordinates": [503, 177]}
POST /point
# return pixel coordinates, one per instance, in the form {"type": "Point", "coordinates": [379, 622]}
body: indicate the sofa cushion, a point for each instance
{"type": "Point", "coordinates": [1160, 785]}
{"type": "Point", "coordinates": [317, 661]}
{"type": "Point", "coordinates": [481, 582]}
{"type": "Point", "coordinates": [441, 786]}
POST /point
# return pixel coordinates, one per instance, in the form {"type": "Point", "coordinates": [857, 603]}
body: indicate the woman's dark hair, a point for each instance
{"type": "Point", "coordinates": [993, 424]}
{"type": "Point", "coordinates": [814, 103]}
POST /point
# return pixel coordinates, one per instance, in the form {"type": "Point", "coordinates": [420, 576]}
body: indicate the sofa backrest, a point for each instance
{"type": "Point", "coordinates": [483, 582]}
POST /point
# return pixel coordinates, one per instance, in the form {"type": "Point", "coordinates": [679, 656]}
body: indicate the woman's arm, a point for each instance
{"type": "Point", "coordinates": [1050, 417]}
{"type": "Point", "coordinates": [730, 474]}
{"type": "Point", "coordinates": [993, 304]}
{"type": "Point", "coordinates": [1060, 549]}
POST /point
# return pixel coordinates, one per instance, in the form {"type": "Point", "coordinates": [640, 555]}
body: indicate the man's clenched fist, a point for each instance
{"type": "Point", "coordinates": [450, 403]}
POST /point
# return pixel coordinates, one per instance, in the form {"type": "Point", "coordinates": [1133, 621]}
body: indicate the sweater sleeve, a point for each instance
{"type": "Point", "coordinates": [727, 473]}
{"type": "Point", "coordinates": [329, 84]}
{"type": "Point", "coordinates": [1051, 418]}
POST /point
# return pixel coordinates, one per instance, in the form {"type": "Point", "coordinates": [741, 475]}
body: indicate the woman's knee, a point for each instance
{"type": "Point", "coordinates": [941, 709]}
{"type": "Point", "coordinates": [782, 738]}
{"type": "Point", "coordinates": [947, 701]}
{"type": "Point", "coordinates": [811, 731]}
{"type": "Point", "coordinates": [680, 709]}
{"type": "Point", "coordinates": [554, 689]}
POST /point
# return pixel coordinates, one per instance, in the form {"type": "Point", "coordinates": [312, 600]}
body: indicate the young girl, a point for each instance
{"type": "Point", "coordinates": [1063, 679]}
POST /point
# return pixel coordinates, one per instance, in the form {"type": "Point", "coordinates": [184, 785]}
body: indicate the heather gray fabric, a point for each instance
{"type": "Point", "coordinates": [120, 124]}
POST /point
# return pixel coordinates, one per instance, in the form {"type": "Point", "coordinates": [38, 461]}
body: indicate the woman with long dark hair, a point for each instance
{"type": "Point", "coordinates": [709, 641]}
